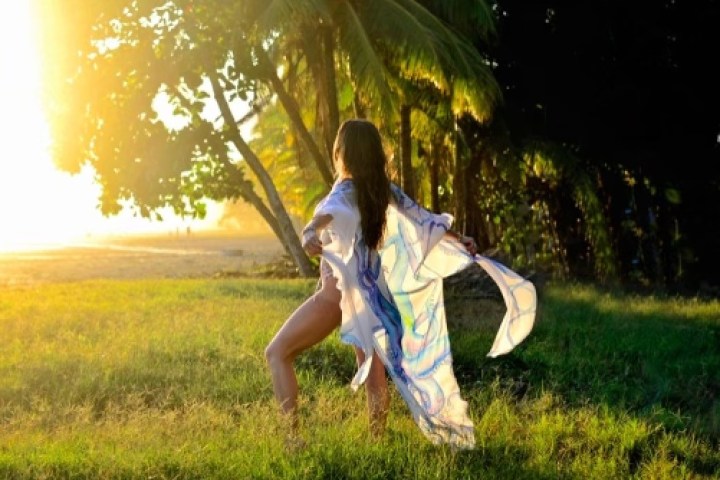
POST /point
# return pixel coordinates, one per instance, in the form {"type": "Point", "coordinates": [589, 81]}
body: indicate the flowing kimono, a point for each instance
{"type": "Point", "coordinates": [392, 304]}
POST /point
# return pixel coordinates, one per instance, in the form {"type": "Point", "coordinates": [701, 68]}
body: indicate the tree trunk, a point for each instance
{"type": "Point", "coordinates": [435, 176]}
{"type": "Point", "coordinates": [331, 96]}
{"type": "Point", "coordinates": [293, 111]}
{"type": "Point", "coordinates": [320, 54]}
{"type": "Point", "coordinates": [285, 227]}
{"type": "Point", "coordinates": [358, 107]}
{"type": "Point", "coordinates": [459, 182]}
{"type": "Point", "coordinates": [408, 184]}
{"type": "Point", "coordinates": [313, 48]}
{"type": "Point", "coordinates": [473, 217]}
{"type": "Point", "coordinates": [254, 199]}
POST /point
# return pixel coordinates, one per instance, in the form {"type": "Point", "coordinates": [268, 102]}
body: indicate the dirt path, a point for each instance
{"type": "Point", "coordinates": [162, 256]}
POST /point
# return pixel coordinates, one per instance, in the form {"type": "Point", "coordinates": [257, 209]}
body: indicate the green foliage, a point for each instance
{"type": "Point", "coordinates": [558, 167]}
{"type": "Point", "coordinates": [110, 379]}
{"type": "Point", "coordinates": [287, 161]}
{"type": "Point", "coordinates": [474, 19]}
{"type": "Point", "coordinates": [132, 61]}
{"type": "Point", "coordinates": [135, 60]}
{"type": "Point", "coordinates": [538, 200]}
{"type": "Point", "coordinates": [146, 80]}
{"type": "Point", "coordinates": [132, 53]}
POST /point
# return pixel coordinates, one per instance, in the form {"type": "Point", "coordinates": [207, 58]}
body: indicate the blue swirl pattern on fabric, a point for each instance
{"type": "Point", "coordinates": [392, 303]}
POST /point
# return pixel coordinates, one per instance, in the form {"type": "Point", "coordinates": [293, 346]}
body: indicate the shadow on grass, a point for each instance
{"type": "Point", "coordinates": [498, 461]}
{"type": "Point", "coordinates": [328, 362]}
{"type": "Point", "coordinates": [335, 462]}
{"type": "Point", "coordinates": [658, 360]}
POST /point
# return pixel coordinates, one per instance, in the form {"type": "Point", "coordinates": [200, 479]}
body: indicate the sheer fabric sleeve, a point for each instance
{"type": "Point", "coordinates": [416, 230]}
{"type": "Point", "coordinates": [338, 237]}
{"type": "Point", "coordinates": [414, 343]}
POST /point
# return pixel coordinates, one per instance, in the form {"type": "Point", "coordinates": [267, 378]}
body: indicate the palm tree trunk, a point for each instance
{"type": "Point", "coordinates": [285, 227]}
{"type": "Point", "coordinates": [293, 110]}
{"type": "Point", "coordinates": [435, 176]}
{"type": "Point", "coordinates": [408, 184]}
{"type": "Point", "coordinates": [459, 182]}
{"type": "Point", "coordinates": [254, 199]}
{"type": "Point", "coordinates": [313, 48]}
{"type": "Point", "coordinates": [331, 96]}
{"type": "Point", "coordinates": [358, 107]}
{"type": "Point", "coordinates": [320, 54]}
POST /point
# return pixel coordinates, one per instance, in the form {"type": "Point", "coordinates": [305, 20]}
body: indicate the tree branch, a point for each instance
{"type": "Point", "coordinates": [285, 225]}
{"type": "Point", "coordinates": [293, 111]}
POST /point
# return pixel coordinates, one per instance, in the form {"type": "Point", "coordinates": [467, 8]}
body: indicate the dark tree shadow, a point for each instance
{"type": "Point", "coordinates": [657, 364]}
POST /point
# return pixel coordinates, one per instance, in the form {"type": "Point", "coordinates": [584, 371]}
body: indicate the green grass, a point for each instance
{"type": "Point", "coordinates": [166, 379]}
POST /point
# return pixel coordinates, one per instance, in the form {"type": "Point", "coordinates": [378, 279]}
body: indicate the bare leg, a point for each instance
{"type": "Point", "coordinates": [378, 400]}
{"type": "Point", "coordinates": [308, 325]}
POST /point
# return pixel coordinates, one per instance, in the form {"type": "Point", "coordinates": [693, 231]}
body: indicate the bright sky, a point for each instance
{"type": "Point", "coordinates": [40, 205]}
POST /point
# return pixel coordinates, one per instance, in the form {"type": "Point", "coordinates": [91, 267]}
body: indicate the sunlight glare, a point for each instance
{"type": "Point", "coordinates": [40, 205]}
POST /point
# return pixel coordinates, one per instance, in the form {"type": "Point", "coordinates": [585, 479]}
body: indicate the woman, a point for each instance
{"type": "Point", "coordinates": [383, 260]}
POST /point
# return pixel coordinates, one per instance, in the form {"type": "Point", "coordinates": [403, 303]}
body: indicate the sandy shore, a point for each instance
{"type": "Point", "coordinates": [160, 256]}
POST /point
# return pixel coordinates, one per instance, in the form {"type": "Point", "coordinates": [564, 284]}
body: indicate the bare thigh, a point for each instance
{"type": "Point", "coordinates": [310, 323]}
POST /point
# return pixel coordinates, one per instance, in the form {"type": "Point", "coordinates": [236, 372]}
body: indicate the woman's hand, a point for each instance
{"type": "Point", "coordinates": [311, 243]}
{"type": "Point", "coordinates": [469, 244]}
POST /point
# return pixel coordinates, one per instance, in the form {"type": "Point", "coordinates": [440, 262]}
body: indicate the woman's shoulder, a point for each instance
{"type": "Point", "coordinates": [344, 185]}
{"type": "Point", "coordinates": [341, 195]}
{"type": "Point", "coordinates": [343, 189]}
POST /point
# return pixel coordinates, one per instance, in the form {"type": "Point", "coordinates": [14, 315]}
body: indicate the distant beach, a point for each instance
{"type": "Point", "coordinates": [181, 255]}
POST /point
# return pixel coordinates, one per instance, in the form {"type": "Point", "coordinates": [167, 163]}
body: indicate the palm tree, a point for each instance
{"type": "Point", "coordinates": [392, 48]}
{"type": "Point", "coordinates": [194, 52]}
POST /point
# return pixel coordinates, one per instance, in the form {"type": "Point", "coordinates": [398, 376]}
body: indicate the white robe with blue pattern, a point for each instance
{"type": "Point", "coordinates": [392, 303]}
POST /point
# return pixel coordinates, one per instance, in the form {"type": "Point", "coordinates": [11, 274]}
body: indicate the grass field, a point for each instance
{"type": "Point", "coordinates": [166, 379]}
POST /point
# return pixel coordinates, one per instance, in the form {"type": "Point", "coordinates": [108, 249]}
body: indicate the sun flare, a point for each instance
{"type": "Point", "coordinates": [40, 205]}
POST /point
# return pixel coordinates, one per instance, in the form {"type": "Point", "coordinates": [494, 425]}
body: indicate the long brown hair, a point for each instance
{"type": "Point", "coordinates": [359, 148]}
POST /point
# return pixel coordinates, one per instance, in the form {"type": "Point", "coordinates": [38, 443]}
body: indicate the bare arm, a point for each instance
{"type": "Point", "coordinates": [310, 240]}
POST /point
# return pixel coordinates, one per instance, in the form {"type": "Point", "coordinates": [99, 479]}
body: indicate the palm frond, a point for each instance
{"type": "Point", "coordinates": [425, 124]}
{"type": "Point", "coordinates": [476, 92]}
{"type": "Point", "coordinates": [427, 50]}
{"type": "Point", "coordinates": [450, 49]}
{"type": "Point", "coordinates": [409, 41]}
{"type": "Point", "coordinates": [367, 69]}
{"type": "Point", "coordinates": [273, 15]}
{"type": "Point", "coordinates": [474, 19]}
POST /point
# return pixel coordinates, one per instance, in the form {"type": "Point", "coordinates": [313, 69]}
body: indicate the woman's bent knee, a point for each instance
{"type": "Point", "coordinates": [269, 352]}
{"type": "Point", "coordinates": [275, 352]}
